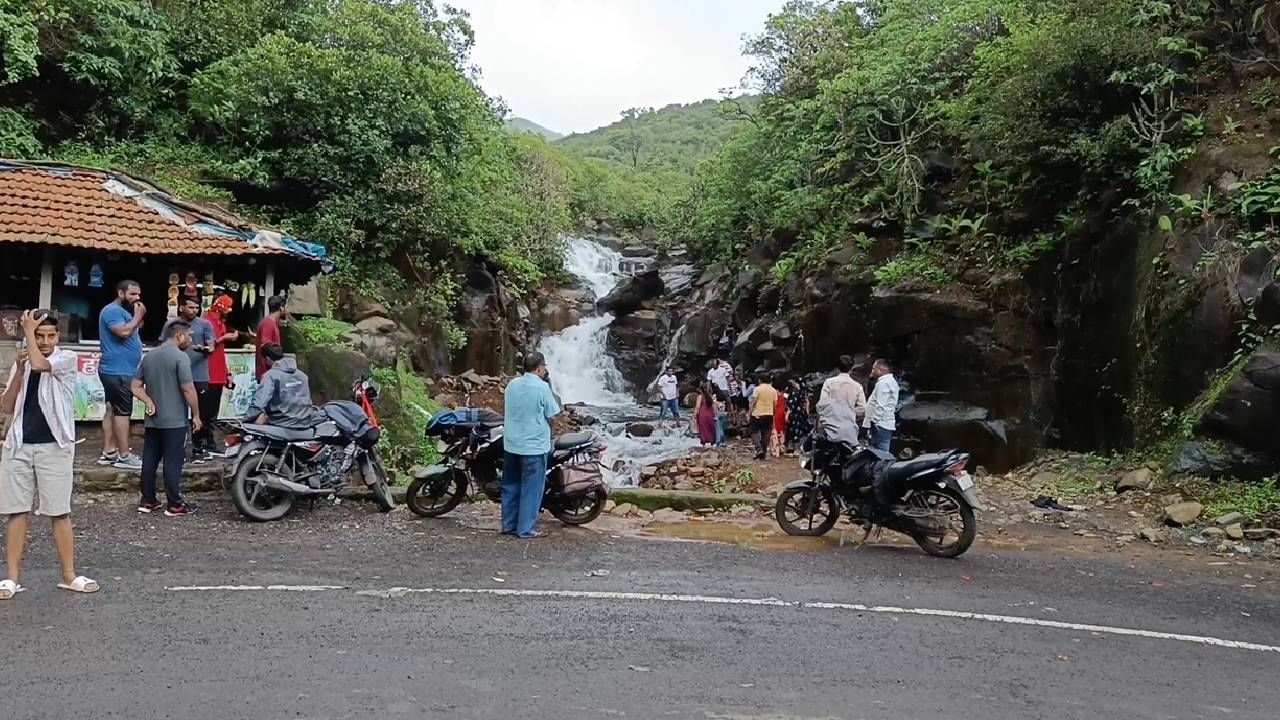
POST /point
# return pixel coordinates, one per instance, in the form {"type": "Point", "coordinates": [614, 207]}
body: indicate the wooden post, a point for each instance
{"type": "Point", "coordinates": [46, 279]}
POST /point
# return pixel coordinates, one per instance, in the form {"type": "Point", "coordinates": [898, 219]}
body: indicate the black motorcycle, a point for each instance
{"type": "Point", "coordinates": [933, 495]}
{"type": "Point", "coordinates": [275, 466]}
{"type": "Point", "coordinates": [575, 491]}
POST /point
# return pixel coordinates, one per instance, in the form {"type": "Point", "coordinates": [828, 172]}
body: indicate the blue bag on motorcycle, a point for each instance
{"type": "Point", "coordinates": [449, 422]}
{"type": "Point", "coordinates": [351, 420]}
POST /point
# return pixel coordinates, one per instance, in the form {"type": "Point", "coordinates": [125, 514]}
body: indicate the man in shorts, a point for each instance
{"type": "Point", "coordinates": [39, 449]}
{"type": "Point", "coordinates": [121, 353]}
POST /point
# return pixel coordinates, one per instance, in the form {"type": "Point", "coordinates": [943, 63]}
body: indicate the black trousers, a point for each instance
{"type": "Point", "coordinates": [210, 402]}
{"type": "Point", "coordinates": [762, 432]}
{"type": "Point", "coordinates": [169, 445]}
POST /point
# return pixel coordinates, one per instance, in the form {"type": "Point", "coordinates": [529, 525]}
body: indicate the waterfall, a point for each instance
{"type": "Point", "coordinates": [581, 370]}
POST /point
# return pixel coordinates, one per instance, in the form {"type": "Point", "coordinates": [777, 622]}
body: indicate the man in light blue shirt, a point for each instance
{"type": "Point", "coordinates": [526, 436]}
{"type": "Point", "coordinates": [882, 406]}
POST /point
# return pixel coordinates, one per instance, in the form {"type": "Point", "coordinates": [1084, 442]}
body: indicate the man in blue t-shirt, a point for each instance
{"type": "Point", "coordinates": [528, 408]}
{"type": "Point", "coordinates": [121, 353]}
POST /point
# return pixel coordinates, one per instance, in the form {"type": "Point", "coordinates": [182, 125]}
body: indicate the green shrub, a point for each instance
{"type": "Point", "coordinates": [404, 408]}
{"type": "Point", "coordinates": [906, 267]}
{"type": "Point", "coordinates": [322, 331]}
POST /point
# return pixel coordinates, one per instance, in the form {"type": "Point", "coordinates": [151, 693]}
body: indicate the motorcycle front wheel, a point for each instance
{"type": "Point", "coordinates": [580, 510]}
{"type": "Point", "coordinates": [945, 523]}
{"type": "Point", "coordinates": [252, 497]}
{"type": "Point", "coordinates": [806, 511]}
{"type": "Point", "coordinates": [381, 487]}
{"type": "Point", "coordinates": [435, 495]}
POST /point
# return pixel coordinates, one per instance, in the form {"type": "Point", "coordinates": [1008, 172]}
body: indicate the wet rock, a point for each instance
{"type": "Point", "coordinates": [1154, 535]}
{"type": "Point", "coordinates": [683, 483]}
{"type": "Point", "coordinates": [640, 430]}
{"type": "Point", "coordinates": [632, 294]}
{"type": "Point", "coordinates": [1234, 531]}
{"type": "Point", "coordinates": [331, 370]}
{"type": "Point", "coordinates": [648, 471]}
{"type": "Point", "coordinates": [1231, 518]}
{"type": "Point", "coordinates": [1260, 534]}
{"type": "Point", "coordinates": [668, 515]}
{"type": "Point", "coordinates": [1140, 479]}
{"type": "Point", "coordinates": [623, 510]}
{"type": "Point", "coordinates": [1217, 459]}
{"type": "Point", "coordinates": [1215, 533]}
{"type": "Point", "coordinates": [1183, 513]}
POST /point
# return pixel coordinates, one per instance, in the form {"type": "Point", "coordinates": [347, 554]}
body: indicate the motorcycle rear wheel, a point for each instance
{"type": "Point", "coordinates": [951, 506]}
{"type": "Point", "coordinates": [253, 498]}
{"type": "Point", "coordinates": [806, 511]}
{"type": "Point", "coordinates": [421, 501]}
{"type": "Point", "coordinates": [581, 510]}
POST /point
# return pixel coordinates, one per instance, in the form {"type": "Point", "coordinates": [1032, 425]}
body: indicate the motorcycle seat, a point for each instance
{"type": "Point", "coordinates": [906, 468]}
{"type": "Point", "coordinates": [323, 431]}
{"type": "Point", "coordinates": [572, 440]}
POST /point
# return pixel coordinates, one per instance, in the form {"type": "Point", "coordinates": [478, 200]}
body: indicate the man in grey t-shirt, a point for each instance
{"type": "Point", "coordinates": [165, 388]}
{"type": "Point", "coordinates": [201, 347]}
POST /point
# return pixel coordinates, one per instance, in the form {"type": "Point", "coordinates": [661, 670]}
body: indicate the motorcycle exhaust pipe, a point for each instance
{"type": "Point", "coordinates": [275, 482]}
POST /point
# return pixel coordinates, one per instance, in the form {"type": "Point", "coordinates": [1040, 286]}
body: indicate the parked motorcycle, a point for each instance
{"type": "Point", "coordinates": [575, 491]}
{"type": "Point", "coordinates": [934, 497]}
{"type": "Point", "coordinates": [276, 466]}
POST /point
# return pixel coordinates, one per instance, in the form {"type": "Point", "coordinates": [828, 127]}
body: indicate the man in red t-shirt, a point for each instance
{"type": "Point", "coordinates": [211, 400]}
{"type": "Point", "coordinates": [268, 333]}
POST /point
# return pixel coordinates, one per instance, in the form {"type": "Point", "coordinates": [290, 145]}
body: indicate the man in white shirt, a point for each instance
{"type": "Point", "coordinates": [718, 376]}
{"type": "Point", "coordinates": [39, 449]}
{"type": "Point", "coordinates": [842, 404]}
{"type": "Point", "coordinates": [882, 407]}
{"type": "Point", "coordinates": [669, 386]}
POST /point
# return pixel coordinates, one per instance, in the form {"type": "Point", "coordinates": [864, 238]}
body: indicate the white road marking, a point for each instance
{"type": "Point", "coordinates": [399, 592]}
{"type": "Point", "coordinates": [241, 588]}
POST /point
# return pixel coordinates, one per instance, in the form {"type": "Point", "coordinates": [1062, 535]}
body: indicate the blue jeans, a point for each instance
{"type": "Point", "coordinates": [168, 445]}
{"type": "Point", "coordinates": [670, 406]}
{"type": "Point", "coordinates": [880, 438]}
{"type": "Point", "coordinates": [721, 417]}
{"type": "Point", "coordinates": [524, 477]}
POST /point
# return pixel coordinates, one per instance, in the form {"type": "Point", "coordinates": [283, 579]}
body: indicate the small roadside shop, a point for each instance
{"type": "Point", "coordinates": [69, 234]}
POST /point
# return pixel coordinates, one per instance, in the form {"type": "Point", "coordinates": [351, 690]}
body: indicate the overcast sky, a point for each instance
{"type": "Point", "coordinates": [573, 65]}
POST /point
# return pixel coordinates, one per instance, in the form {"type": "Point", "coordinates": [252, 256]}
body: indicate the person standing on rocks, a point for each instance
{"type": "Point", "coordinates": [882, 408]}
{"type": "Point", "coordinates": [39, 450]}
{"type": "Point", "coordinates": [762, 408]}
{"type": "Point", "coordinates": [842, 404]}
{"type": "Point", "coordinates": [669, 386]}
{"type": "Point", "coordinates": [718, 376]}
{"type": "Point", "coordinates": [119, 354]}
{"type": "Point", "coordinates": [528, 407]}
{"type": "Point", "coordinates": [706, 421]}
{"type": "Point", "coordinates": [165, 388]}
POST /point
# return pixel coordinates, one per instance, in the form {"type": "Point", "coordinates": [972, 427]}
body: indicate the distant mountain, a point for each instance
{"type": "Point", "coordinates": [519, 124]}
{"type": "Point", "coordinates": [676, 136]}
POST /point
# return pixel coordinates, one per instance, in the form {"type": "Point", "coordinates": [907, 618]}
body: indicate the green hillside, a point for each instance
{"type": "Point", "coordinates": [675, 137]}
{"type": "Point", "coordinates": [524, 125]}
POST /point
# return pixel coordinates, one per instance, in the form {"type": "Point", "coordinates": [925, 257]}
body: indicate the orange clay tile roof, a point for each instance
{"type": "Point", "coordinates": [63, 205]}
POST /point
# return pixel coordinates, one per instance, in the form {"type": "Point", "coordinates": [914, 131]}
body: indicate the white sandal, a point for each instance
{"type": "Point", "coordinates": [81, 584]}
{"type": "Point", "coordinates": [9, 588]}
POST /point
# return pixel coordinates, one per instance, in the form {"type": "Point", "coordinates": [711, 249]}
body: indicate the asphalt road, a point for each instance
{"type": "Point", "coordinates": [744, 639]}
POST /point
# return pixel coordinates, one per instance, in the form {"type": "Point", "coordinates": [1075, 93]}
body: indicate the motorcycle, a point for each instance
{"type": "Point", "coordinates": [935, 493]}
{"type": "Point", "coordinates": [575, 491]}
{"type": "Point", "coordinates": [275, 466]}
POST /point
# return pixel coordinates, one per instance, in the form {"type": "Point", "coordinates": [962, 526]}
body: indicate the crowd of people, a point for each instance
{"type": "Point", "coordinates": [179, 384]}
{"type": "Point", "coordinates": [779, 409]}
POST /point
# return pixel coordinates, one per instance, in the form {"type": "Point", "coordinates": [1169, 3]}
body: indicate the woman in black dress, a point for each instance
{"type": "Point", "coordinates": [798, 403]}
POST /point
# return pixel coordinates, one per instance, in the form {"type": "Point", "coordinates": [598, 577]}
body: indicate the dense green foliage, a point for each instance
{"type": "Point", "coordinates": [969, 129]}
{"type": "Point", "coordinates": [676, 136]}
{"type": "Point", "coordinates": [353, 123]}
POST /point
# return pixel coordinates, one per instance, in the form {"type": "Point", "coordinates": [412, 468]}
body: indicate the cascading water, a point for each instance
{"type": "Point", "coordinates": [582, 372]}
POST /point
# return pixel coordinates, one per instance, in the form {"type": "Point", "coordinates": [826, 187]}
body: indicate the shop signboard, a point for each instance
{"type": "Point", "coordinates": [90, 402]}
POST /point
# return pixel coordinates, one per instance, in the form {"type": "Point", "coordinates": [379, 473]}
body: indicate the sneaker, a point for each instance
{"type": "Point", "coordinates": [108, 458]}
{"type": "Point", "coordinates": [128, 462]}
{"type": "Point", "coordinates": [180, 510]}
{"type": "Point", "coordinates": [149, 506]}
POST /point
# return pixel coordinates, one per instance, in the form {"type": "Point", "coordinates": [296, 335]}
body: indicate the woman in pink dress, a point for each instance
{"type": "Point", "coordinates": [704, 416]}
